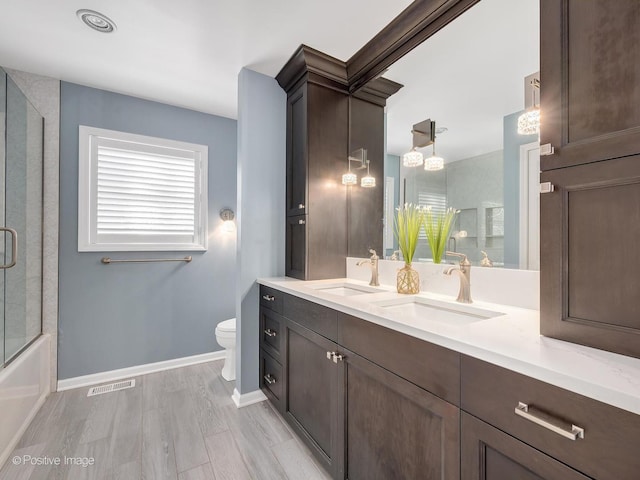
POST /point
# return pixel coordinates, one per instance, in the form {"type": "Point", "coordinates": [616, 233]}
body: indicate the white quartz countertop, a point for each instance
{"type": "Point", "coordinates": [511, 340]}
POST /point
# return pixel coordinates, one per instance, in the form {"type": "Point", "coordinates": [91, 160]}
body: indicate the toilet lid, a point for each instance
{"type": "Point", "coordinates": [227, 325]}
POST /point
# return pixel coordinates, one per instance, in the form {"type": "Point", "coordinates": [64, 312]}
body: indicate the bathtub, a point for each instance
{"type": "Point", "coordinates": [24, 386]}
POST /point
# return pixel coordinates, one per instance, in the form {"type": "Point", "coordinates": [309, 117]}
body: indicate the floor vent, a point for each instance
{"type": "Point", "coordinates": [113, 387]}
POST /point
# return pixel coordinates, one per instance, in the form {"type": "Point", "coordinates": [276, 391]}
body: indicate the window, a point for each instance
{"type": "Point", "coordinates": [138, 193]}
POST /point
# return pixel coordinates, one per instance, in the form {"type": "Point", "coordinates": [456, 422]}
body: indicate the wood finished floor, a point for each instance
{"type": "Point", "coordinates": [175, 425]}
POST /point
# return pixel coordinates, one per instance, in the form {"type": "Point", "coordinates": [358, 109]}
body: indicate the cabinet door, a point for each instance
{"type": "Point", "coordinates": [489, 454]}
{"type": "Point", "coordinates": [395, 429]}
{"type": "Point", "coordinates": [589, 73]}
{"type": "Point", "coordinates": [311, 403]}
{"type": "Point", "coordinates": [296, 247]}
{"type": "Point", "coordinates": [297, 151]}
{"type": "Point", "coordinates": [589, 233]}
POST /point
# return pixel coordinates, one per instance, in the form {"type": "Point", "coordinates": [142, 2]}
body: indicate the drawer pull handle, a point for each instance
{"type": "Point", "coordinates": [338, 358]}
{"type": "Point", "coordinates": [301, 206]}
{"type": "Point", "coordinates": [268, 298]}
{"type": "Point", "coordinates": [301, 222]}
{"type": "Point", "coordinates": [523, 410]}
{"type": "Point", "coordinates": [270, 333]}
{"type": "Point", "coordinates": [269, 379]}
{"type": "Point", "coordinates": [331, 355]}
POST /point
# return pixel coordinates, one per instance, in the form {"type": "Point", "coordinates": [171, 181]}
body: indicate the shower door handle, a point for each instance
{"type": "Point", "coordinates": [14, 247]}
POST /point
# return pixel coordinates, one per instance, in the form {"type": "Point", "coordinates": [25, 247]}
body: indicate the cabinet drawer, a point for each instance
{"type": "Point", "coordinates": [271, 332]}
{"type": "Point", "coordinates": [609, 449]}
{"type": "Point", "coordinates": [271, 298]}
{"type": "Point", "coordinates": [316, 318]}
{"type": "Point", "coordinates": [489, 454]}
{"type": "Point", "coordinates": [429, 366]}
{"type": "Point", "coordinates": [271, 378]}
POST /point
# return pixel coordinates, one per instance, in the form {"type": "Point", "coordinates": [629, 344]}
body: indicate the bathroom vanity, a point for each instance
{"type": "Point", "coordinates": [377, 391]}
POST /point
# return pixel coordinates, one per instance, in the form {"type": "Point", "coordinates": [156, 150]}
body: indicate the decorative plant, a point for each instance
{"type": "Point", "coordinates": [437, 227]}
{"type": "Point", "coordinates": [408, 222]}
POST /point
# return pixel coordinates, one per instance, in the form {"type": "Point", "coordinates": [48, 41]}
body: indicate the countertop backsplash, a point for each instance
{"type": "Point", "coordinates": [518, 288]}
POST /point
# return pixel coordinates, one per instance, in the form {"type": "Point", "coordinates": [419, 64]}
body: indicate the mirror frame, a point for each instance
{"type": "Point", "coordinates": [419, 21]}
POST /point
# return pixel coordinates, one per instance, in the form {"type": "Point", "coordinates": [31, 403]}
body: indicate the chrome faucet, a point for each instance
{"type": "Point", "coordinates": [373, 262]}
{"type": "Point", "coordinates": [464, 272]}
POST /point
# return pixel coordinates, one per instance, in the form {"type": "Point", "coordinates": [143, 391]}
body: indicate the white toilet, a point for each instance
{"type": "Point", "coordinates": [226, 337]}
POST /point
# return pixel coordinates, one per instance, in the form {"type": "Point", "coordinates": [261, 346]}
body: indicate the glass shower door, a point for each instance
{"type": "Point", "coordinates": [3, 123]}
{"type": "Point", "coordinates": [22, 214]}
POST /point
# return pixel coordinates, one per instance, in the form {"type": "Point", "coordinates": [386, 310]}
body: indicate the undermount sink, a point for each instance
{"type": "Point", "coordinates": [436, 311]}
{"type": "Point", "coordinates": [346, 289]}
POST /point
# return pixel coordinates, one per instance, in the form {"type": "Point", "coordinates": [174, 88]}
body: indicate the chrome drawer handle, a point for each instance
{"type": "Point", "coordinates": [270, 333]}
{"type": "Point", "coordinates": [301, 206]}
{"type": "Point", "coordinates": [269, 379]}
{"type": "Point", "coordinates": [338, 358]}
{"type": "Point", "coordinates": [523, 410]}
{"type": "Point", "coordinates": [268, 298]}
{"type": "Point", "coordinates": [301, 222]}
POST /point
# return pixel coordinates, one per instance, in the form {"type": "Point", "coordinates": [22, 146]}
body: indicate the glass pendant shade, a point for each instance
{"type": "Point", "coordinates": [412, 158]}
{"type": "Point", "coordinates": [350, 179]}
{"type": "Point", "coordinates": [433, 163]}
{"type": "Point", "coordinates": [368, 181]}
{"type": "Point", "coordinates": [529, 122]}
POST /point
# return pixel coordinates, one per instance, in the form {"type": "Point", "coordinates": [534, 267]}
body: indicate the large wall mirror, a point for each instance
{"type": "Point", "coordinates": [474, 79]}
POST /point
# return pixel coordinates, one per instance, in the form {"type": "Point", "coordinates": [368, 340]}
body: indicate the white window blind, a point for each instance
{"type": "Point", "coordinates": [140, 193]}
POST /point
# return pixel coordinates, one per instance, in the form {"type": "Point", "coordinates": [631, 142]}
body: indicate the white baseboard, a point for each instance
{"type": "Point", "coordinates": [242, 400]}
{"type": "Point", "coordinates": [112, 375]}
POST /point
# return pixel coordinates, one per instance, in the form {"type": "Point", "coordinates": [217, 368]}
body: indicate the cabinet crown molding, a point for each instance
{"type": "Point", "coordinates": [319, 67]}
{"type": "Point", "coordinates": [377, 91]}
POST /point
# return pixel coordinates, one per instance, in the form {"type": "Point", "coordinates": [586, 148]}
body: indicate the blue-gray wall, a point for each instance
{"type": "Point", "coordinates": [512, 142]}
{"type": "Point", "coordinates": [261, 206]}
{"type": "Point", "coordinates": [119, 316]}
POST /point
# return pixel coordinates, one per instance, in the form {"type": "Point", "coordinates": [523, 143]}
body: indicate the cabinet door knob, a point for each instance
{"type": "Point", "coordinates": [330, 355]}
{"type": "Point", "coordinates": [270, 379]}
{"type": "Point", "coordinates": [338, 358]}
{"type": "Point", "coordinates": [525, 411]}
{"type": "Point", "coordinates": [270, 333]}
{"type": "Point", "coordinates": [301, 222]}
{"type": "Point", "coordinates": [269, 298]}
{"type": "Point", "coordinates": [301, 206]}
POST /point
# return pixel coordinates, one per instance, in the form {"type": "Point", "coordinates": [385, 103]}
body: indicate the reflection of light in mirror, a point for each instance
{"type": "Point", "coordinates": [412, 158]}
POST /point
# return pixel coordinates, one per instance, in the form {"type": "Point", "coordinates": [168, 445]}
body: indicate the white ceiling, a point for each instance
{"type": "Point", "coordinates": [467, 77]}
{"type": "Point", "coordinates": [187, 52]}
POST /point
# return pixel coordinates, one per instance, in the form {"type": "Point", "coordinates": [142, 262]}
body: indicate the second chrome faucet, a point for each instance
{"type": "Point", "coordinates": [464, 272]}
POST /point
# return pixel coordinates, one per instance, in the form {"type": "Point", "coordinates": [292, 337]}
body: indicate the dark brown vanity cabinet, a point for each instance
{"type": "Point", "coordinates": [312, 397]}
{"type": "Point", "coordinates": [590, 262]}
{"type": "Point", "coordinates": [490, 454]}
{"type": "Point", "coordinates": [590, 222]}
{"type": "Point", "coordinates": [589, 74]}
{"type": "Point", "coordinates": [394, 429]}
{"type": "Point", "coordinates": [365, 412]}
{"type": "Point", "coordinates": [559, 428]}
{"type": "Point", "coordinates": [317, 144]}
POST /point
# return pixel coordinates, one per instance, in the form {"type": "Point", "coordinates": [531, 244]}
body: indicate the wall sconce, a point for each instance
{"type": "Point", "coordinates": [529, 121]}
{"type": "Point", "coordinates": [227, 216]}
{"type": "Point", "coordinates": [350, 178]}
{"type": "Point", "coordinates": [423, 135]}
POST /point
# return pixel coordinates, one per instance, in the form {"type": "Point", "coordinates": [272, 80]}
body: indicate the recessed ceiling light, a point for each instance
{"type": "Point", "coordinates": [96, 20]}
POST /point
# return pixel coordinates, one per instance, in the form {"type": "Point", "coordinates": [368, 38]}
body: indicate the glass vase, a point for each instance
{"type": "Point", "coordinates": [408, 280]}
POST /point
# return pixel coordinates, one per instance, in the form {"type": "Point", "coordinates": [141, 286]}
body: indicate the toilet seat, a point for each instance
{"type": "Point", "coordinates": [228, 326]}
